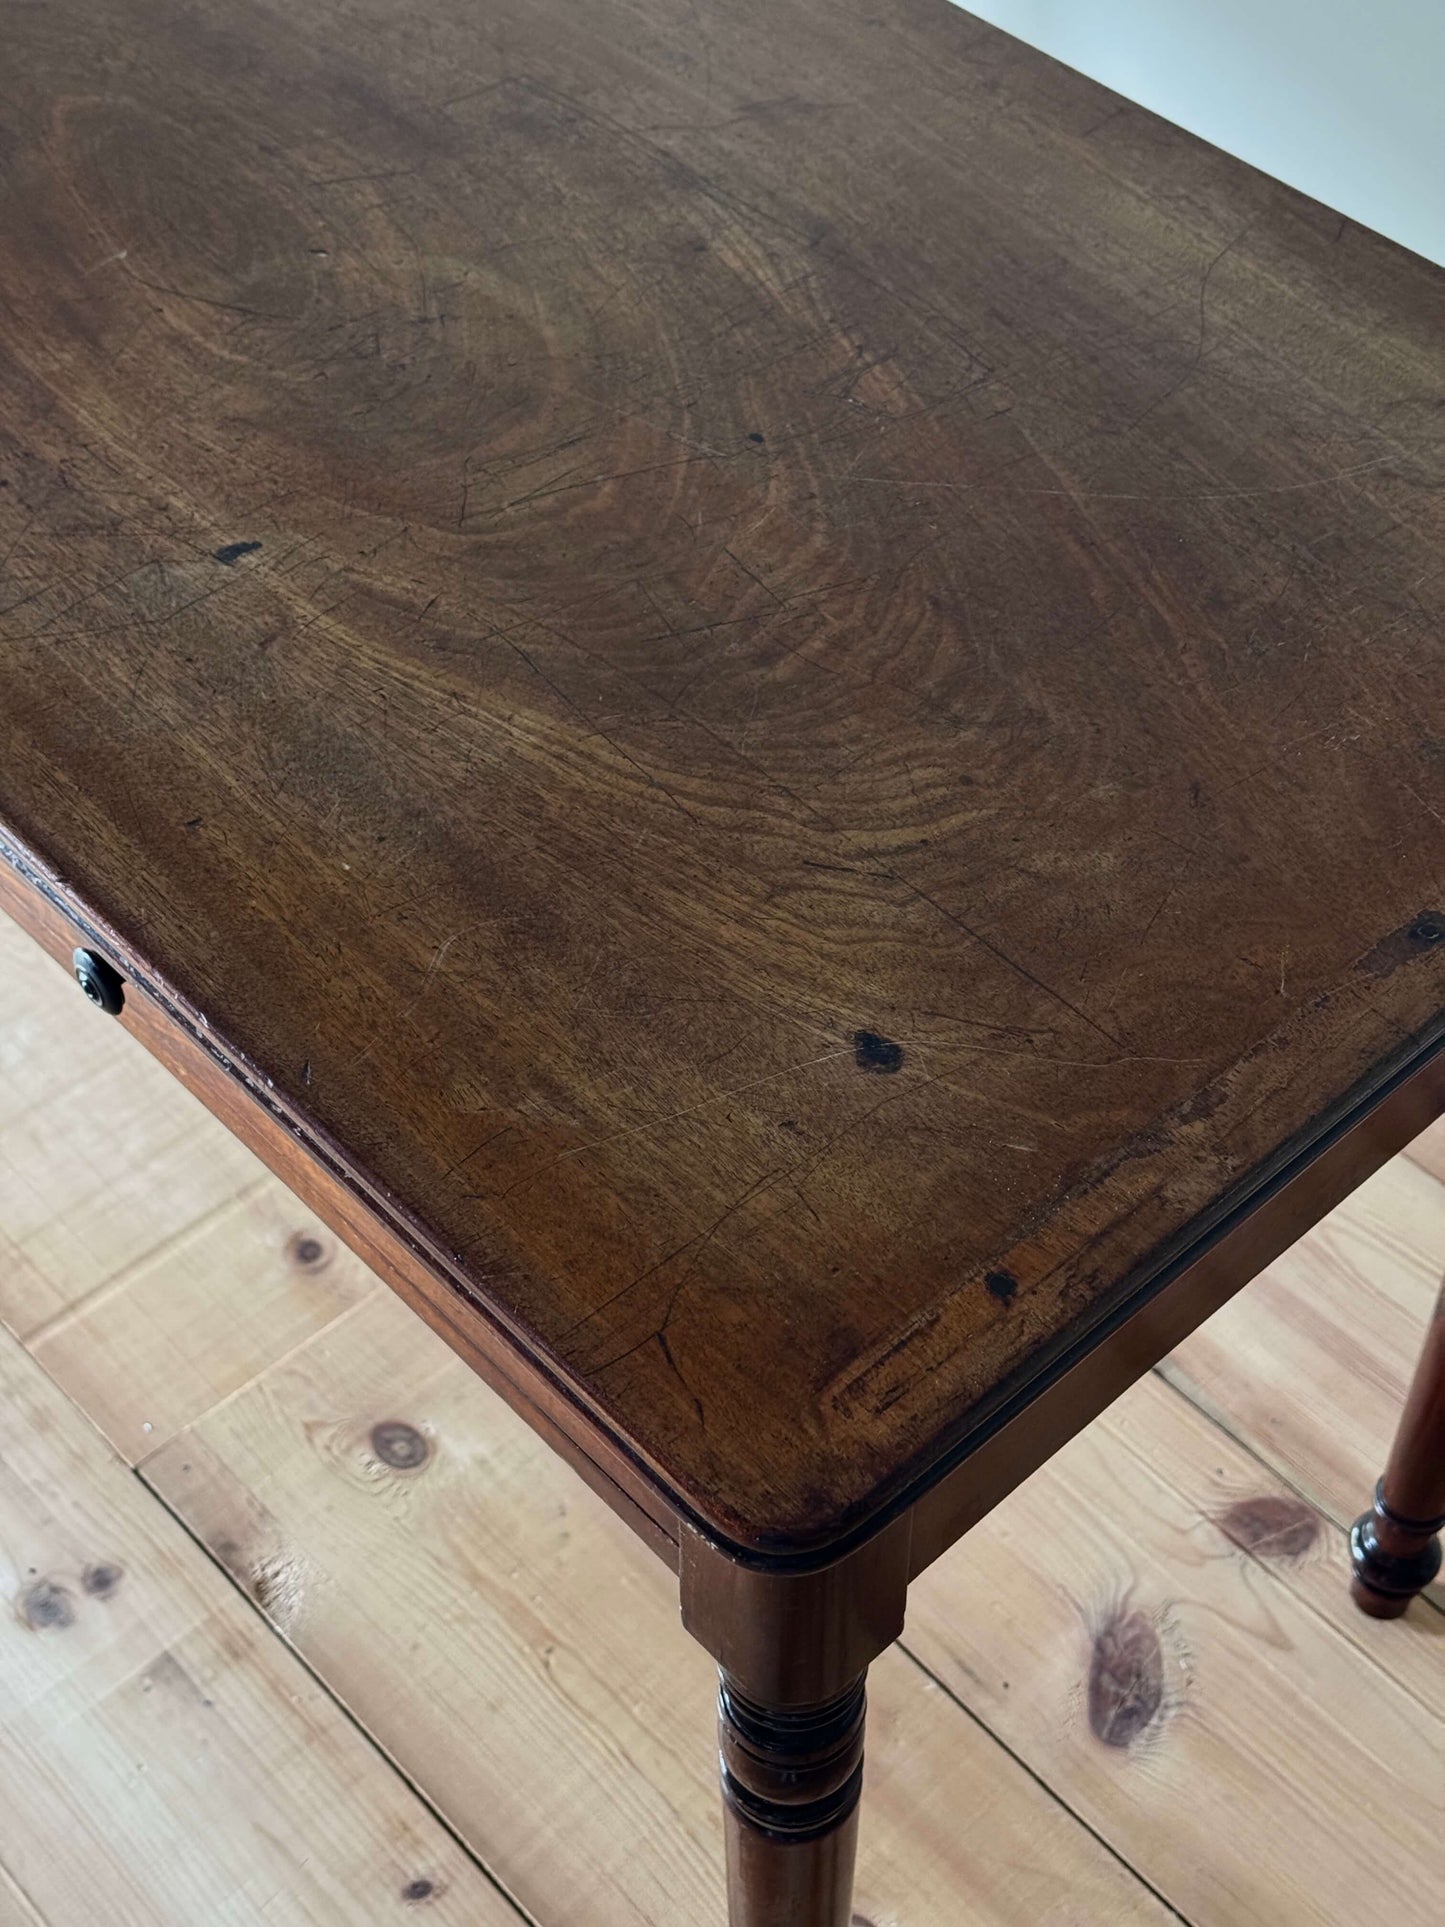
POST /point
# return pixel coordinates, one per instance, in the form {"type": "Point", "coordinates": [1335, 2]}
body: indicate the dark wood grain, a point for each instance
{"type": "Point", "coordinates": [780, 668]}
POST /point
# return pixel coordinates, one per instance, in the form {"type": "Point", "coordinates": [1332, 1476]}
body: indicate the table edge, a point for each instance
{"type": "Point", "coordinates": [1412, 1079]}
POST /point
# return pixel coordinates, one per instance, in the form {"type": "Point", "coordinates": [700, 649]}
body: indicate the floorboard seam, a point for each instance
{"type": "Point", "coordinates": [1218, 1418]}
{"type": "Point", "coordinates": [371, 1740]}
{"type": "Point", "coordinates": [1040, 1782]}
{"type": "Point", "coordinates": [68, 1315]}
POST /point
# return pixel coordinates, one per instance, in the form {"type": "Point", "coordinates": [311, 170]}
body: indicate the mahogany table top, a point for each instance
{"type": "Point", "coordinates": [775, 666]}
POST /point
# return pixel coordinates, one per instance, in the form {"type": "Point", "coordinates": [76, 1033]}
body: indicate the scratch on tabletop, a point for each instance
{"type": "Point", "coordinates": [697, 1245]}
{"type": "Point", "coordinates": [1124, 495]}
{"type": "Point", "coordinates": [394, 1024]}
{"type": "Point", "coordinates": [672, 1117]}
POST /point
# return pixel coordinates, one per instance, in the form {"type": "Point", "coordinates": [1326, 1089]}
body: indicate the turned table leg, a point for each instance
{"type": "Point", "coordinates": [1395, 1546]}
{"type": "Point", "coordinates": [793, 1649]}
{"type": "Point", "coordinates": [791, 1780]}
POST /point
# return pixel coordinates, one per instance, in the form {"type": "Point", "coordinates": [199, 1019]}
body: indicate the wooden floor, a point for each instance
{"type": "Point", "coordinates": [304, 1626]}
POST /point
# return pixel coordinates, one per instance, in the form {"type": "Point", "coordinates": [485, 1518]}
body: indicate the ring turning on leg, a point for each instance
{"type": "Point", "coordinates": [1394, 1557]}
{"type": "Point", "coordinates": [1395, 1546]}
{"type": "Point", "coordinates": [791, 1782]}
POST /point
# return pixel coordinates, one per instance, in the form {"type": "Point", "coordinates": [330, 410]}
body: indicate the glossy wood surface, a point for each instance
{"type": "Point", "coordinates": [773, 665]}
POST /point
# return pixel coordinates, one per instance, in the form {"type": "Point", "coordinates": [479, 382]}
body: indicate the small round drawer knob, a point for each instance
{"type": "Point", "coordinates": [100, 981]}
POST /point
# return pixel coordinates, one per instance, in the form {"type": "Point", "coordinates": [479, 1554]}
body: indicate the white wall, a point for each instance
{"type": "Point", "coordinates": [1342, 98]}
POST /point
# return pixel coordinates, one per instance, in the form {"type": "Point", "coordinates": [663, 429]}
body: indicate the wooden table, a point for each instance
{"type": "Point", "coordinates": [758, 685]}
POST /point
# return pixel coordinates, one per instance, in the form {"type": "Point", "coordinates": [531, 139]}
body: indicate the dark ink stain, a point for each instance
{"type": "Point", "coordinates": [418, 1890]}
{"type": "Point", "coordinates": [875, 1053]}
{"type": "Point", "coordinates": [1402, 946]}
{"type": "Point", "coordinates": [101, 1581]}
{"type": "Point", "coordinates": [1272, 1526]}
{"type": "Point", "coordinates": [306, 1251]}
{"type": "Point", "coordinates": [1196, 795]}
{"type": "Point", "coordinates": [233, 551]}
{"type": "Point", "coordinates": [1126, 1679]}
{"type": "Point", "coordinates": [399, 1445]}
{"type": "Point", "coordinates": [756, 437]}
{"type": "Point", "coordinates": [193, 822]}
{"type": "Point", "coordinates": [45, 1604]}
{"type": "Point", "coordinates": [1002, 1285]}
